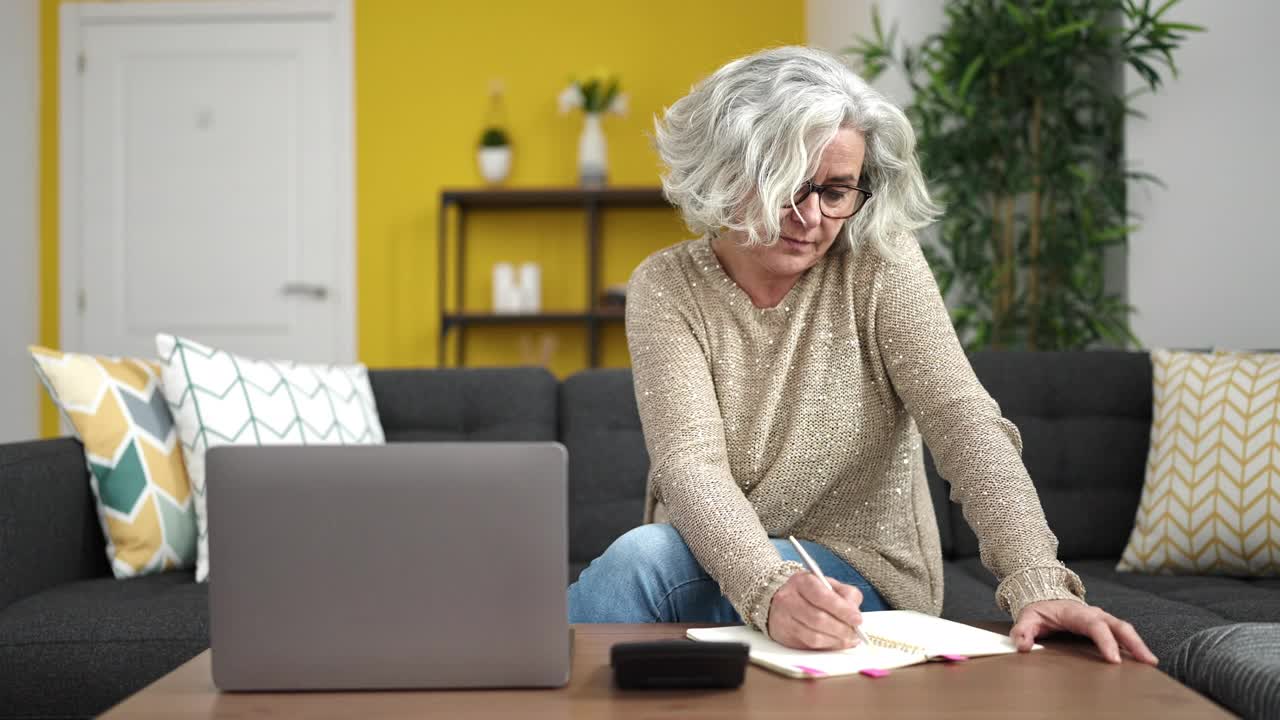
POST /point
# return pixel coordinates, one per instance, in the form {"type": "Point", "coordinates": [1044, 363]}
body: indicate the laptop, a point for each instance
{"type": "Point", "coordinates": [407, 565]}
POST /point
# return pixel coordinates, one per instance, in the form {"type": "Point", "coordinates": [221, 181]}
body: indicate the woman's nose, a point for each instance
{"type": "Point", "coordinates": [807, 211]}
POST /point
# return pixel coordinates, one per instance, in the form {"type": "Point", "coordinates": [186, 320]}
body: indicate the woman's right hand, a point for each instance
{"type": "Point", "coordinates": [805, 615]}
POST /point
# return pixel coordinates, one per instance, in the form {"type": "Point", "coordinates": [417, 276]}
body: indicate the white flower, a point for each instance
{"type": "Point", "coordinates": [619, 105]}
{"type": "Point", "coordinates": [570, 98]}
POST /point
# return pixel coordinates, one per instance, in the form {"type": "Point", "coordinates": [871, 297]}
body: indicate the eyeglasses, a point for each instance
{"type": "Point", "coordinates": [838, 202]}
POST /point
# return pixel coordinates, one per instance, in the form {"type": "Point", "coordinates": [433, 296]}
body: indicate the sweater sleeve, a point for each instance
{"type": "Point", "coordinates": [684, 434]}
{"type": "Point", "coordinates": [977, 450]}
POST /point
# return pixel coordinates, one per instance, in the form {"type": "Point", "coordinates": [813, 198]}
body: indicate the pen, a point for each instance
{"type": "Point", "coordinates": [813, 568]}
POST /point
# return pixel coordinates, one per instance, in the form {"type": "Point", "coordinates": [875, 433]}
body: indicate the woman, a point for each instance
{"type": "Point", "coordinates": [787, 364]}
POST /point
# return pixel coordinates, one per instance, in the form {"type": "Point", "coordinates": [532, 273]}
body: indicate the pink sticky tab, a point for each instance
{"type": "Point", "coordinates": [810, 671]}
{"type": "Point", "coordinates": [874, 672]}
{"type": "Point", "coordinates": [954, 658]}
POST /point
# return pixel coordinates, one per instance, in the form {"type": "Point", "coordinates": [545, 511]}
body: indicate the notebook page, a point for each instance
{"type": "Point", "coordinates": [934, 636]}
{"type": "Point", "coordinates": [797, 663]}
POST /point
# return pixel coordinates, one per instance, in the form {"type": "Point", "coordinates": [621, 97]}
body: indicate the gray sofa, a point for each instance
{"type": "Point", "coordinates": [73, 641]}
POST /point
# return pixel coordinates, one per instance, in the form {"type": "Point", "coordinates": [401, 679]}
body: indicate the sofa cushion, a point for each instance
{"type": "Point", "coordinates": [1164, 621]}
{"type": "Point", "coordinates": [450, 404]}
{"type": "Point", "coordinates": [49, 530]}
{"type": "Point", "coordinates": [1085, 420]}
{"type": "Point", "coordinates": [76, 649]}
{"type": "Point", "coordinates": [1233, 599]}
{"type": "Point", "coordinates": [608, 462]}
{"type": "Point", "coordinates": [1237, 665]}
{"type": "Point", "coordinates": [966, 597]}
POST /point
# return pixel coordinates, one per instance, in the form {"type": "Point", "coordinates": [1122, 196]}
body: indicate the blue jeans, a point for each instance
{"type": "Point", "coordinates": [649, 575]}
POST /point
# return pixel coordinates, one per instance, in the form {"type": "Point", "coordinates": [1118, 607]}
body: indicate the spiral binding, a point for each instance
{"type": "Point", "coordinates": [895, 645]}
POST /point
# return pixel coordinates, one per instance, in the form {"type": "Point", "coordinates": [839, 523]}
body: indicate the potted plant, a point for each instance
{"type": "Point", "coordinates": [1019, 113]}
{"type": "Point", "coordinates": [494, 156]}
{"type": "Point", "coordinates": [597, 95]}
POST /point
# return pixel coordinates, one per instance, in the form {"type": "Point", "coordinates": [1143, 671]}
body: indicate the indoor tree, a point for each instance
{"type": "Point", "coordinates": [1019, 111]}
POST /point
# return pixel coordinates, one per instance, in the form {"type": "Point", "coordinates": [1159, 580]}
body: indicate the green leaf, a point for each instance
{"type": "Point", "coordinates": [1134, 113]}
{"type": "Point", "coordinates": [981, 335]}
{"type": "Point", "coordinates": [1019, 17]}
{"type": "Point", "coordinates": [969, 74]}
{"type": "Point", "coordinates": [609, 95]}
{"type": "Point", "coordinates": [1013, 54]}
{"type": "Point", "coordinates": [1144, 177]}
{"type": "Point", "coordinates": [1113, 233]}
{"type": "Point", "coordinates": [944, 279]}
{"type": "Point", "coordinates": [1168, 4]}
{"type": "Point", "coordinates": [1070, 29]}
{"type": "Point", "coordinates": [962, 317]}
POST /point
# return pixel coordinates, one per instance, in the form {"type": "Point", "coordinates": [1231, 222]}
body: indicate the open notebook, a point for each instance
{"type": "Point", "coordinates": [898, 638]}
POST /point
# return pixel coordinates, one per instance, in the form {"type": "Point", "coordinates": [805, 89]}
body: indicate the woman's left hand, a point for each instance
{"type": "Point", "coordinates": [1109, 633]}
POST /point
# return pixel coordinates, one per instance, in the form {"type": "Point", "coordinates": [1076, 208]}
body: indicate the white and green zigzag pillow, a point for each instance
{"type": "Point", "coordinates": [218, 398]}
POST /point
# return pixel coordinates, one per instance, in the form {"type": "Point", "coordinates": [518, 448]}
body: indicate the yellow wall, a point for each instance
{"type": "Point", "coordinates": [48, 197]}
{"type": "Point", "coordinates": [422, 76]}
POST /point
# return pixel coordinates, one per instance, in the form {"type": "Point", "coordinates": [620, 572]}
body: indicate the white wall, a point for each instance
{"type": "Point", "coordinates": [833, 25]}
{"type": "Point", "coordinates": [19, 173]}
{"type": "Point", "coordinates": [1204, 269]}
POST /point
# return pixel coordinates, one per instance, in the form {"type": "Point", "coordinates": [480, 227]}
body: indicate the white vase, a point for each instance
{"type": "Point", "coordinates": [495, 163]}
{"type": "Point", "coordinates": [592, 153]}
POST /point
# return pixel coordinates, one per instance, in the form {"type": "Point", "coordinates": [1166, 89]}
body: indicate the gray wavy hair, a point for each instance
{"type": "Point", "coordinates": [740, 143]}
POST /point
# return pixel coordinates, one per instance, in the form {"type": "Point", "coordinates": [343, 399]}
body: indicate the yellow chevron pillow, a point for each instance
{"type": "Point", "coordinates": [1211, 501]}
{"type": "Point", "coordinates": [135, 462]}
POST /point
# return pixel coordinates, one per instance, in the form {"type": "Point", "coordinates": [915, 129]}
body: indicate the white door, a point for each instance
{"type": "Point", "coordinates": [213, 191]}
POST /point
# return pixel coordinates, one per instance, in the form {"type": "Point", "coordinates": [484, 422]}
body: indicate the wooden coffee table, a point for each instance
{"type": "Point", "coordinates": [1065, 679]}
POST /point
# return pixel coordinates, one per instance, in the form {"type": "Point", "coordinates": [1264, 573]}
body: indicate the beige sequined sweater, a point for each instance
{"type": "Point", "coordinates": [802, 419]}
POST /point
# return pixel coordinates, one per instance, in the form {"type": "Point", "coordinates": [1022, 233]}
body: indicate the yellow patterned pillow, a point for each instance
{"type": "Point", "coordinates": [135, 460]}
{"type": "Point", "coordinates": [1211, 501]}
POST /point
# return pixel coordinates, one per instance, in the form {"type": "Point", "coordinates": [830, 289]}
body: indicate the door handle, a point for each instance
{"type": "Point", "coordinates": [311, 290]}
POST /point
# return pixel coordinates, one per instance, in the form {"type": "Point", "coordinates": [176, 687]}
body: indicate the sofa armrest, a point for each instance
{"type": "Point", "coordinates": [49, 530]}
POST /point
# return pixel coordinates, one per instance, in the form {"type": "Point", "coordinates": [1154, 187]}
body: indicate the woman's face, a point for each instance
{"type": "Point", "coordinates": [807, 234]}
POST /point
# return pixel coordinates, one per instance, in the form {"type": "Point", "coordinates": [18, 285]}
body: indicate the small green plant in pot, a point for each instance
{"type": "Point", "coordinates": [494, 155]}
